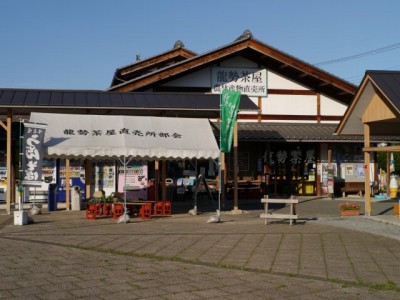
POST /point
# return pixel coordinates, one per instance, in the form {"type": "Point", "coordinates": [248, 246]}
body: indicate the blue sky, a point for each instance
{"type": "Point", "coordinates": [78, 44]}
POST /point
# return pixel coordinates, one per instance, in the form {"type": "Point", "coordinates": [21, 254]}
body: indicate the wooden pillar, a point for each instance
{"type": "Point", "coordinates": [67, 185]}
{"type": "Point", "coordinates": [222, 180]}
{"type": "Point", "coordinates": [329, 162]}
{"type": "Point", "coordinates": [163, 180]}
{"type": "Point", "coordinates": [88, 175]}
{"type": "Point", "coordinates": [318, 175]}
{"type": "Point", "coordinates": [235, 169]}
{"type": "Point", "coordinates": [387, 172]}
{"type": "Point", "coordinates": [367, 160]}
{"type": "Point", "coordinates": [10, 178]}
{"type": "Point", "coordinates": [329, 154]}
{"type": "Point", "coordinates": [156, 179]}
{"type": "Point", "coordinates": [318, 108]}
{"type": "Point", "coordinates": [259, 114]}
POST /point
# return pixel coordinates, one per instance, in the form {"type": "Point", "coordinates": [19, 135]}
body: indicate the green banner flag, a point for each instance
{"type": "Point", "coordinates": [229, 108]}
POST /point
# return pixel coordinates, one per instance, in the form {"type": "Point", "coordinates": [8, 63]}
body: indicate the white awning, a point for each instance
{"type": "Point", "coordinates": [142, 138]}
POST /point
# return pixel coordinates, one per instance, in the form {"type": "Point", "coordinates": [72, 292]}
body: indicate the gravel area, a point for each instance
{"type": "Point", "coordinates": [364, 224]}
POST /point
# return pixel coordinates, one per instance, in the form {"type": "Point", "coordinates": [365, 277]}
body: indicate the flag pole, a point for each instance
{"type": "Point", "coordinates": [220, 153]}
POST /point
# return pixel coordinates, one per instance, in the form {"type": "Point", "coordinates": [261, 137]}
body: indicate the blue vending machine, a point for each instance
{"type": "Point", "coordinates": [76, 178]}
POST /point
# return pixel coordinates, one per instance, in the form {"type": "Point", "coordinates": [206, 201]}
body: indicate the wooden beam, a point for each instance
{"type": "Point", "coordinates": [318, 108]}
{"type": "Point", "coordinates": [299, 65]}
{"type": "Point", "coordinates": [142, 65]}
{"type": "Point", "coordinates": [270, 117]}
{"type": "Point", "coordinates": [156, 180]}
{"type": "Point", "coordinates": [367, 160]}
{"type": "Point", "coordinates": [291, 92]}
{"type": "Point", "coordinates": [67, 185]}
{"type": "Point", "coordinates": [223, 179]}
{"type": "Point", "coordinates": [163, 181]}
{"type": "Point", "coordinates": [318, 175]}
{"type": "Point", "coordinates": [259, 109]}
{"type": "Point", "coordinates": [195, 62]}
{"type": "Point", "coordinates": [3, 125]}
{"type": "Point", "coordinates": [88, 175]}
{"type": "Point", "coordinates": [382, 149]}
{"type": "Point", "coordinates": [8, 163]}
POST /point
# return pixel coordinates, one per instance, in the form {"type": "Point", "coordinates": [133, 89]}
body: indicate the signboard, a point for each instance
{"type": "Point", "coordinates": [32, 154]}
{"type": "Point", "coordinates": [249, 81]}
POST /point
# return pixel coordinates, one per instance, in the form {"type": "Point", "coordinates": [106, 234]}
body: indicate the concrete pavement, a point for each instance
{"type": "Point", "coordinates": [63, 255]}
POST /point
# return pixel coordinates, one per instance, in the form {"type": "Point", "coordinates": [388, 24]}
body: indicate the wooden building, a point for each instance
{"type": "Point", "coordinates": [375, 111]}
{"type": "Point", "coordinates": [289, 141]}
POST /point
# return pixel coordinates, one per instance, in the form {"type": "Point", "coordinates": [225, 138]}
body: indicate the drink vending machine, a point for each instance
{"type": "Point", "coordinates": [76, 178]}
{"type": "Point", "coordinates": [103, 177]}
{"type": "Point", "coordinates": [54, 173]}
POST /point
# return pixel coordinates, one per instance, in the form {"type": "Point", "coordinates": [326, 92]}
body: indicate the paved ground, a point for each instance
{"type": "Point", "coordinates": [62, 256]}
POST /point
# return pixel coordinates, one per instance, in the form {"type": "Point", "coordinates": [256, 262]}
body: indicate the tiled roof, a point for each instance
{"type": "Point", "coordinates": [389, 83]}
{"type": "Point", "coordinates": [296, 132]}
{"type": "Point", "coordinates": [254, 50]}
{"type": "Point", "coordinates": [114, 102]}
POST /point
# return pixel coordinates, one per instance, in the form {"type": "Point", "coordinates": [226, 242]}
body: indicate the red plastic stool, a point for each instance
{"type": "Point", "coordinates": [167, 207]}
{"type": "Point", "coordinates": [107, 209]}
{"type": "Point", "coordinates": [118, 211]}
{"type": "Point", "coordinates": [145, 211]}
{"type": "Point", "coordinates": [158, 208]}
{"type": "Point", "coordinates": [91, 212]}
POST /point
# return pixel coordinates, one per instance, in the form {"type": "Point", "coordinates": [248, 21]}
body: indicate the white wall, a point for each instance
{"type": "Point", "coordinates": [290, 105]}
{"type": "Point", "coordinates": [331, 107]}
{"type": "Point", "coordinates": [276, 81]}
{"type": "Point", "coordinates": [272, 104]}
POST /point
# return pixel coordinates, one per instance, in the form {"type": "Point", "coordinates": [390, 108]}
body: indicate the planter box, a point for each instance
{"type": "Point", "coordinates": [20, 217]}
{"type": "Point", "coordinates": [345, 213]}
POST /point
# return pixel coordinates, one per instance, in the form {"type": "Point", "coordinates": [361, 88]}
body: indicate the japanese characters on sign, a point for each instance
{"type": "Point", "coordinates": [249, 81]}
{"type": "Point", "coordinates": [32, 154]}
{"type": "Point", "coordinates": [127, 131]}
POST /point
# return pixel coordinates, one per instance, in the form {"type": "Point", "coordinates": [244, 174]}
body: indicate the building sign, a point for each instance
{"type": "Point", "coordinates": [32, 154]}
{"type": "Point", "coordinates": [121, 131]}
{"type": "Point", "coordinates": [249, 81]}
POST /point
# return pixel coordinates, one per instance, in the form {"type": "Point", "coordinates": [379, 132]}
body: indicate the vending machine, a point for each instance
{"type": "Point", "coordinates": [136, 180]}
{"type": "Point", "coordinates": [103, 177]}
{"type": "Point", "coordinates": [76, 177]}
{"type": "Point", "coordinates": [3, 183]}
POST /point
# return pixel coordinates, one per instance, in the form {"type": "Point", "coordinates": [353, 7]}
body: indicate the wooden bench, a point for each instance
{"type": "Point", "coordinates": [353, 187]}
{"type": "Point", "coordinates": [291, 216]}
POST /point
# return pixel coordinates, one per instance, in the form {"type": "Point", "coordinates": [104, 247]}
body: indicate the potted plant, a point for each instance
{"type": "Point", "coordinates": [349, 209]}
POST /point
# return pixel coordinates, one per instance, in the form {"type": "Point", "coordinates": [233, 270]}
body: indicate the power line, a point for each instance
{"type": "Point", "coordinates": [368, 53]}
{"type": "Point", "coordinates": [356, 78]}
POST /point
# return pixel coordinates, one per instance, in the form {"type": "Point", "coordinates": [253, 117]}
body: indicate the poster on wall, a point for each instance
{"type": "Point", "coordinates": [328, 178]}
{"type": "Point", "coordinates": [136, 180]}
